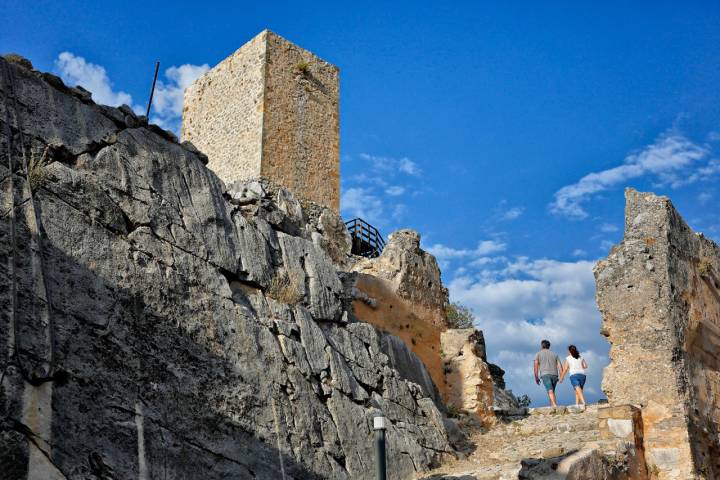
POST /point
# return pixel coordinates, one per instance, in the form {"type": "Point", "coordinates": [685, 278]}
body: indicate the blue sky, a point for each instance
{"type": "Point", "coordinates": [504, 134]}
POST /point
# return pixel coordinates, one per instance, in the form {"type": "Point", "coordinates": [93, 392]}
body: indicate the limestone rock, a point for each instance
{"type": "Point", "coordinates": [146, 338]}
{"type": "Point", "coordinates": [413, 272]}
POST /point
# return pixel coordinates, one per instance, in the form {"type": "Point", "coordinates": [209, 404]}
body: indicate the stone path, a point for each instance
{"type": "Point", "coordinates": [535, 446]}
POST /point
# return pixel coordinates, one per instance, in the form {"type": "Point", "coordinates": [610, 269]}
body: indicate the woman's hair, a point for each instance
{"type": "Point", "coordinates": [574, 351]}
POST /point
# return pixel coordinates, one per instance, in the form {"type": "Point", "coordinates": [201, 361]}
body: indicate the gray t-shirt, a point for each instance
{"type": "Point", "coordinates": [547, 361]}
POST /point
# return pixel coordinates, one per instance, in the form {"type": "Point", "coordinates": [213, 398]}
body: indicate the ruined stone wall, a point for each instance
{"type": "Point", "coordinates": [659, 296]}
{"type": "Point", "coordinates": [271, 109]}
{"type": "Point", "coordinates": [223, 112]}
{"type": "Point", "coordinates": [301, 125]}
{"type": "Point", "coordinates": [413, 273]}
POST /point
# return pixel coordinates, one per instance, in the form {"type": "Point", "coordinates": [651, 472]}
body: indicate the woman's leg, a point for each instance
{"type": "Point", "coordinates": [579, 395]}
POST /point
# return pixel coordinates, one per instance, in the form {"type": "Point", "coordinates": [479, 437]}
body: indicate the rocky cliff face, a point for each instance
{"type": "Point", "coordinates": [155, 324]}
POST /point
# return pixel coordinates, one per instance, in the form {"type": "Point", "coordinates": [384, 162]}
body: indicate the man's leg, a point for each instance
{"type": "Point", "coordinates": [551, 394]}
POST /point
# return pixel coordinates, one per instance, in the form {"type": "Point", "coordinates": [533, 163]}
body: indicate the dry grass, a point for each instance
{"type": "Point", "coordinates": [37, 173]}
{"type": "Point", "coordinates": [303, 67]}
{"type": "Point", "coordinates": [285, 287]}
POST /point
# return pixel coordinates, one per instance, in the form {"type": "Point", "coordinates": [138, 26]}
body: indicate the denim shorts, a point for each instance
{"type": "Point", "coordinates": [550, 381]}
{"type": "Point", "coordinates": [578, 380]}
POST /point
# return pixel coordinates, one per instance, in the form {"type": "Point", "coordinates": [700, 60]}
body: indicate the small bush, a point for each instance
{"type": "Point", "coordinates": [459, 316]}
{"type": "Point", "coordinates": [285, 287]}
{"type": "Point", "coordinates": [524, 401]}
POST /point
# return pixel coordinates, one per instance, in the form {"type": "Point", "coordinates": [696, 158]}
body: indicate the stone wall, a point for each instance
{"type": "Point", "coordinates": [659, 295]}
{"type": "Point", "coordinates": [270, 109]}
{"type": "Point", "coordinates": [155, 324]}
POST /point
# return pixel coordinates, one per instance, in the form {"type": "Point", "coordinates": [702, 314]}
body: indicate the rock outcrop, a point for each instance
{"type": "Point", "coordinates": [413, 274]}
{"type": "Point", "coordinates": [158, 325]}
{"type": "Point", "coordinates": [659, 295]}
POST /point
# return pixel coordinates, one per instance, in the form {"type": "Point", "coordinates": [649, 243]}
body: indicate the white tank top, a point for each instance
{"type": "Point", "coordinates": [575, 365]}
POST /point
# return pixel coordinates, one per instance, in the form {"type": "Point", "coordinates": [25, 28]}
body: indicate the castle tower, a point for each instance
{"type": "Point", "coordinates": [270, 110]}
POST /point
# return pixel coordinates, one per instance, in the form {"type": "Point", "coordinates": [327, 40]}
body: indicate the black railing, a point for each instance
{"type": "Point", "coordinates": [366, 239]}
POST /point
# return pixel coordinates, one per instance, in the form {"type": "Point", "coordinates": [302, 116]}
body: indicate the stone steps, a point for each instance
{"type": "Point", "coordinates": [544, 435]}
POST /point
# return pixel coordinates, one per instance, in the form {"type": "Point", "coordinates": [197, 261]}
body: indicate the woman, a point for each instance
{"type": "Point", "coordinates": [577, 367]}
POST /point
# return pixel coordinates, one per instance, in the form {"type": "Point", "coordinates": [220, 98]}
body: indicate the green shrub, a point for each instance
{"type": "Point", "coordinates": [459, 316]}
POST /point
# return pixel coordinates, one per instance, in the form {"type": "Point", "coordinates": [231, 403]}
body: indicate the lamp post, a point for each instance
{"type": "Point", "coordinates": [379, 426]}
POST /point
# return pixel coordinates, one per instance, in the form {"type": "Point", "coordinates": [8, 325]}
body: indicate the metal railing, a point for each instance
{"type": "Point", "coordinates": [366, 239]}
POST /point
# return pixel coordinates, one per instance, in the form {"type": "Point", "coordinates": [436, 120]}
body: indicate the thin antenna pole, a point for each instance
{"type": "Point", "coordinates": [152, 91]}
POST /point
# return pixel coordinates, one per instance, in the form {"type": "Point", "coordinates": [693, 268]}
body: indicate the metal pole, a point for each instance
{"type": "Point", "coordinates": [152, 90]}
{"type": "Point", "coordinates": [379, 424]}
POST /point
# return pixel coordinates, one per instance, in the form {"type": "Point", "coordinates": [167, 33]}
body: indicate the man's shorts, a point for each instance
{"type": "Point", "coordinates": [550, 381]}
{"type": "Point", "coordinates": [578, 380]}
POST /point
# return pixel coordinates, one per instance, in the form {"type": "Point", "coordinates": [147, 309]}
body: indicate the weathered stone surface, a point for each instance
{"type": "Point", "coordinates": [658, 295]}
{"type": "Point", "coordinates": [270, 109]}
{"type": "Point", "coordinates": [143, 334]}
{"type": "Point", "coordinates": [542, 446]}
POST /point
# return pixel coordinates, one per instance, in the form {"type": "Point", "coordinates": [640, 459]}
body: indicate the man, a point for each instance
{"type": "Point", "coordinates": [547, 367]}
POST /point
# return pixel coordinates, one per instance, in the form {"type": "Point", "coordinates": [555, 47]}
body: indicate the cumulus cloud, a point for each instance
{"type": "Point", "coordinates": [704, 197]}
{"type": "Point", "coordinates": [382, 164]}
{"type": "Point", "coordinates": [518, 302]}
{"type": "Point", "coordinates": [395, 190]}
{"type": "Point", "coordinates": [608, 228]}
{"type": "Point", "coordinates": [484, 247]}
{"type": "Point", "coordinates": [168, 98]}
{"type": "Point", "coordinates": [75, 70]}
{"type": "Point", "coordinates": [377, 192]}
{"type": "Point", "coordinates": [512, 213]}
{"type": "Point", "coordinates": [671, 160]}
{"type": "Point", "coordinates": [361, 202]}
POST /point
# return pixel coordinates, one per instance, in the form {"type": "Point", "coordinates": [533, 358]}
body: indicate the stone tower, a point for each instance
{"type": "Point", "coordinates": [270, 110]}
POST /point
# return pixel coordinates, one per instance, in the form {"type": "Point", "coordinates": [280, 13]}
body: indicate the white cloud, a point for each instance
{"type": "Point", "coordinates": [608, 228]}
{"type": "Point", "coordinates": [395, 190]}
{"type": "Point", "coordinates": [519, 302]}
{"type": "Point", "coordinates": [483, 248]}
{"type": "Point", "coordinates": [377, 193]}
{"type": "Point", "coordinates": [399, 210]}
{"type": "Point", "coordinates": [606, 245]}
{"type": "Point", "coordinates": [579, 252]}
{"type": "Point", "coordinates": [168, 98]}
{"type": "Point", "coordinates": [392, 165]}
{"type": "Point", "coordinates": [406, 165]}
{"type": "Point", "coordinates": [669, 161]}
{"type": "Point", "coordinates": [513, 213]}
{"type": "Point", "coordinates": [704, 197]}
{"type": "Point", "coordinates": [361, 202]}
{"type": "Point", "coordinates": [75, 70]}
